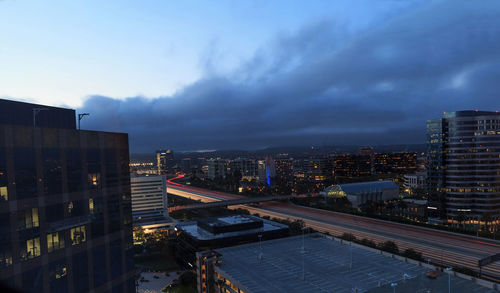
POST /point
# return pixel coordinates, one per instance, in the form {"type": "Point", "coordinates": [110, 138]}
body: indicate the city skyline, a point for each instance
{"type": "Point", "coordinates": [332, 74]}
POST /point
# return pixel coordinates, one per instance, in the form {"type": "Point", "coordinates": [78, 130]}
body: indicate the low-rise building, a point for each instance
{"type": "Point", "coordinates": [415, 181]}
{"type": "Point", "coordinates": [318, 263]}
{"type": "Point", "coordinates": [361, 193]}
{"type": "Point", "coordinates": [209, 233]}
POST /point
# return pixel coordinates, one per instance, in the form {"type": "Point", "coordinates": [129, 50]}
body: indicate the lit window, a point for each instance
{"type": "Point", "coordinates": [58, 271]}
{"type": "Point", "coordinates": [78, 235]}
{"type": "Point", "coordinates": [55, 241]}
{"type": "Point", "coordinates": [94, 180]}
{"type": "Point", "coordinates": [3, 193]}
{"type": "Point", "coordinates": [91, 205]}
{"type": "Point", "coordinates": [5, 258]}
{"type": "Point", "coordinates": [30, 218]}
{"type": "Point", "coordinates": [32, 248]}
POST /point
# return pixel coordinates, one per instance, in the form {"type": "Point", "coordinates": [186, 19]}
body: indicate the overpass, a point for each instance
{"type": "Point", "coordinates": [230, 202]}
{"type": "Point", "coordinates": [437, 247]}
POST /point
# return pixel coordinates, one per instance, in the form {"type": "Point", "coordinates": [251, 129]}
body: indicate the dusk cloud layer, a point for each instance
{"type": "Point", "coordinates": [327, 86]}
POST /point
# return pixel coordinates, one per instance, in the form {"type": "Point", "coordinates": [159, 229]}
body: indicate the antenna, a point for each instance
{"type": "Point", "coordinates": [80, 117]}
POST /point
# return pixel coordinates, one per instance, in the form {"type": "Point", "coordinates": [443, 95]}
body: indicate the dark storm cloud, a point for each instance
{"type": "Point", "coordinates": [326, 86]}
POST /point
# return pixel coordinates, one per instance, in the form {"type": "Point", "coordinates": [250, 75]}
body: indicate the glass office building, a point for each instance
{"type": "Point", "coordinates": [464, 164]}
{"type": "Point", "coordinates": [65, 203]}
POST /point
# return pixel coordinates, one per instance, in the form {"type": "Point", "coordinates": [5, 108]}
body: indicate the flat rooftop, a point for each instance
{"type": "Point", "coordinates": [198, 232]}
{"type": "Point", "coordinates": [326, 266]}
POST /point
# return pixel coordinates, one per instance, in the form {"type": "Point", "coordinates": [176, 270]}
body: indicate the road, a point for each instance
{"type": "Point", "coordinates": [450, 249]}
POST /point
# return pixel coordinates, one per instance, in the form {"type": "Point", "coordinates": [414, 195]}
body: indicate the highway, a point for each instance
{"type": "Point", "coordinates": [450, 249]}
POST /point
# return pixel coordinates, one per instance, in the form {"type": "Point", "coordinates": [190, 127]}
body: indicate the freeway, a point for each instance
{"type": "Point", "coordinates": [442, 247]}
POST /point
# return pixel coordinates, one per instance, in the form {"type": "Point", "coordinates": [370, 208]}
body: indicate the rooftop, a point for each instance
{"type": "Point", "coordinates": [470, 113]}
{"type": "Point", "coordinates": [242, 224]}
{"type": "Point", "coordinates": [354, 188]}
{"type": "Point", "coordinates": [20, 113]}
{"type": "Point", "coordinates": [326, 269]}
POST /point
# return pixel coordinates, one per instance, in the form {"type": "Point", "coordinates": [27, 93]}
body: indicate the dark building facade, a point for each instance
{"type": "Point", "coordinates": [352, 166]}
{"type": "Point", "coordinates": [65, 204]}
{"type": "Point", "coordinates": [464, 165]}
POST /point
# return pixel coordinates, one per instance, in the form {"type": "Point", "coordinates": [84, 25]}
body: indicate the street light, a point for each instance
{"type": "Point", "coordinates": [80, 117]}
{"type": "Point", "coordinates": [394, 285]}
{"type": "Point", "coordinates": [449, 270]}
{"type": "Point", "coordinates": [260, 246]}
{"type": "Point", "coordinates": [303, 240]}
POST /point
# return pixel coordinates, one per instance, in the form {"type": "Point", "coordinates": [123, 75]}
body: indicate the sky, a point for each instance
{"type": "Point", "coordinates": [191, 75]}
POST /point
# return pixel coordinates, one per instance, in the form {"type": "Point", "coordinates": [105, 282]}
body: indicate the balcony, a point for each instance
{"type": "Point", "coordinates": [69, 223]}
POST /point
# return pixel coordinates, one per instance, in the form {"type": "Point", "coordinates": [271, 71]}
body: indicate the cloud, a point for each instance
{"type": "Point", "coordinates": [326, 85]}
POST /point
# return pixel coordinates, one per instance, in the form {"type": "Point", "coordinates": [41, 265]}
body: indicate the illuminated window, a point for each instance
{"type": "Point", "coordinates": [78, 235]}
{"type": "Point", "coordinates": [32, 248]}
{"type": "Point", "coordinates": [3, 193]}
{"type": "Point", "coordinates": [91, 205]}
{"type": "Point", "coordinates": [29, 218]}
{"type": "Point", "coordinates": [55, 241]}
{"type": "Point", "coordinates": [5, 258]}
{"type": "Point", "coordinates": [58, 271]}
{"type": "Point", "coordinates": [94, 180]}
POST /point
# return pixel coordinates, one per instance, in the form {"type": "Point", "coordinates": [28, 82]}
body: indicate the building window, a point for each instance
{"type": "Point", "coordinates": [94, 180]}
{"type": "Point", "coordinates": [58, 271]}
{"type": "Point", "coordinates": [32, 248]}
{"type": "Point", "coordinates": [91, 205]}
{"type": "Point", "coordinates": [55, 241]}
{"type": "Point", "coordinates": [5, 258]}
{"type": "Point", "coordinates": [3, 193]}
{"type": "Point", "coordinates": [78, 235]}
{"type": "Point", "coordinates": [28, 219]}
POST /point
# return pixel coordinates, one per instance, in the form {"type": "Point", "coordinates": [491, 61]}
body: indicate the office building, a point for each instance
{"type": "Point", "coordinates": [248, 168]}
{"type": "Point", "coordinates": [65, 213]}
{"type": "Point", "coordinates": [267, 171]}
{"type": "Point", "coordinates": [416, 181]}
{"type": "Point", "coordinates": [352, 166]}
{"type": "Point", "coordinates": [318, 169]}
{"type": "Point", "coordinates": [165, 161]}
{"type": "Point", "coordinates": [464, 165]}
{"type": "Point", "coordinates": [217, 168]}
{"type": "Point", "coordinates": [361, 193]}
{"type": "Point", "coordinates": [149, 202]}
{"type": "Point", "coordinates": [318, 263]}
{"type": "Point", "coordinates": [394, 163]}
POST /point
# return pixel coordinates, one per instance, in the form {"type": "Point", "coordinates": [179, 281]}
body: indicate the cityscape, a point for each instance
{"type": "Point", "coordinates": [330, 146]}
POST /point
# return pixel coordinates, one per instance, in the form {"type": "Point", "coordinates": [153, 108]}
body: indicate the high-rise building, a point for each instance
{"type": "Point", "coordinates": [149, 201]}
{"type": "Point", "coordinates": [216, 168]}
{"type": "Point", "coordinates": [318, 169]}
{"type": "Point", "coordinates": [398, 163]}
{"type": "Point", "coordinates": [267, 171]}
{"type": "Point", "coordinates": [352, 166]}
{"type": "Point", "coordinates": [247, 167]}
{"type": "Point", "coordinates": [165, 161]}
{"type": "Point", "coordinates": [65, 211]}
{"type": "Point", "coordinates": [464, 164]}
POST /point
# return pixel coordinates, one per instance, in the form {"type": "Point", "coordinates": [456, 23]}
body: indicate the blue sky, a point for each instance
{"type": "Point", "coordinates": [194, 75]}
{"type": "Point", "coordinates": [61, 52]}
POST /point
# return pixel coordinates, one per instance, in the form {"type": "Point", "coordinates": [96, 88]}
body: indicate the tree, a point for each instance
{"type": "Point", "coordinates": [139, 234]}
{"type": "Point", "coordinates": [389, 246]}
{"type": "Point", "coordinates": [460, 218]}
{"type": "Point", "coordinates": [487, 219]}
{"type": "Point", "coordinates": [411, 253]}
